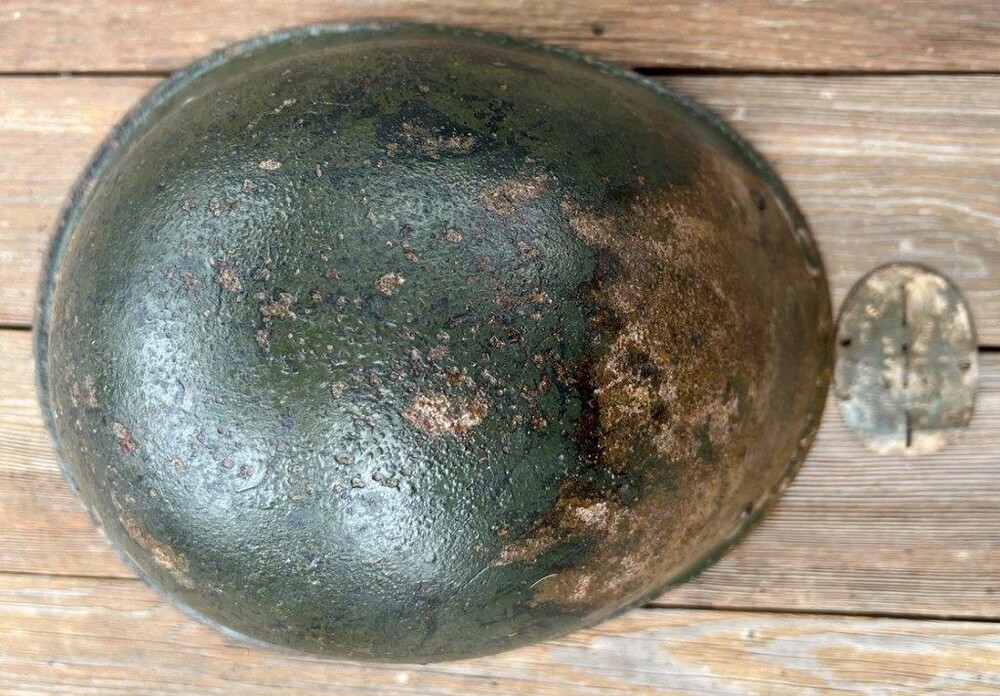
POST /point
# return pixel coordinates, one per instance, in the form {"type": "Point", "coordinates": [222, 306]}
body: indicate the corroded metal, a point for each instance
{"type": "Point", "coordinates": [410, 343]}
{"type": "Point", "coordinates": [906, 368]}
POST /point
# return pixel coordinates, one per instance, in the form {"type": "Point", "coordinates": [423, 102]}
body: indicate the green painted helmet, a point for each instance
{"type": "Point", "coordinates": [407, 343]}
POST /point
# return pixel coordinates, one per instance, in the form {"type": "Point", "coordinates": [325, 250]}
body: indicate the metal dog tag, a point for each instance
{"type": "Point", "coordinates": [906, 368]}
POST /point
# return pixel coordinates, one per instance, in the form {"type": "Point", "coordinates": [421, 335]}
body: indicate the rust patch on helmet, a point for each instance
{"type": "Point", "coordinates": [162, 554]}
{"type": "Point", "coordinates": [658, 375]}
{"type": "Point", "coordinates": [84, 394]}
{"type": "Point", "coordinates": [419, 139]}
{"type": "Point", "coordinates": [389, 283]}
{"type": "Point", "coordinates": [226, 276]}
{"type": "Point", "coordinates": [278, 308]}
{"type": "Point", "coordinates": [125, 442]}
{"type": "Point", "coordinates": [438, 415]}
{"type": "Point", "coordinates": [576, 511]}
{"type": "Point", "coordinates": [506, 196]}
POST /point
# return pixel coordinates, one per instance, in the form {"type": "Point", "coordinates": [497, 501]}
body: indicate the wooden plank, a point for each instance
{"type": "Point", "coordinates": [886, 168]}
{"type": "Point", "coordinates": [94, 636]}
{"type": "Point", "coordinates": [854, 532]}
{"type": "Point", "coordinates": [43, 526]}
{"type": "Point", "coordinates": [48, 129]}
{"type": "Point", "coordinates": [58, 35]}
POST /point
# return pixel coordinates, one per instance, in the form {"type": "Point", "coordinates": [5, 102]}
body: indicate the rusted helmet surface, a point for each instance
{"type": "Point", "coordinates": [407, 343]}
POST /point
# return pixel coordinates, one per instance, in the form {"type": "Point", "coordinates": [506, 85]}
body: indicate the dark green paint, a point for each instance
{"type": "Point", "coordinates": [230, 490]}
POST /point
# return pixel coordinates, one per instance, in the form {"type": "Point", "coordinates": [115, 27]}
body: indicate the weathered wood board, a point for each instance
{"type": "Point", "coordinates": [854, 532]}
{"type": "Point", "coordinates": [97, 35]}
{"type": "Point", "coordinates": [109, 636]}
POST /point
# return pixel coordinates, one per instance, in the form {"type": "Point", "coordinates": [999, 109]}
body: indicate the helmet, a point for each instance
{"type": "Point", "coordinates": [409, 343]}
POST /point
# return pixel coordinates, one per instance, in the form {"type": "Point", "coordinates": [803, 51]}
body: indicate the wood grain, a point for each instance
{"type": "Point", "coordinates": [92, 636]}
{"type": "Point", "coordinates": [854, 532]}
{"type": "Point", "coordinates": [59, 35]}
{"type": "Point", "coordinates": [911, 177]}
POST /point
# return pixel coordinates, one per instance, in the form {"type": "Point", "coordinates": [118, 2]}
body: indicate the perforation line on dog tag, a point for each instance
{"type": "Point", "coordinates": [906, 369]}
